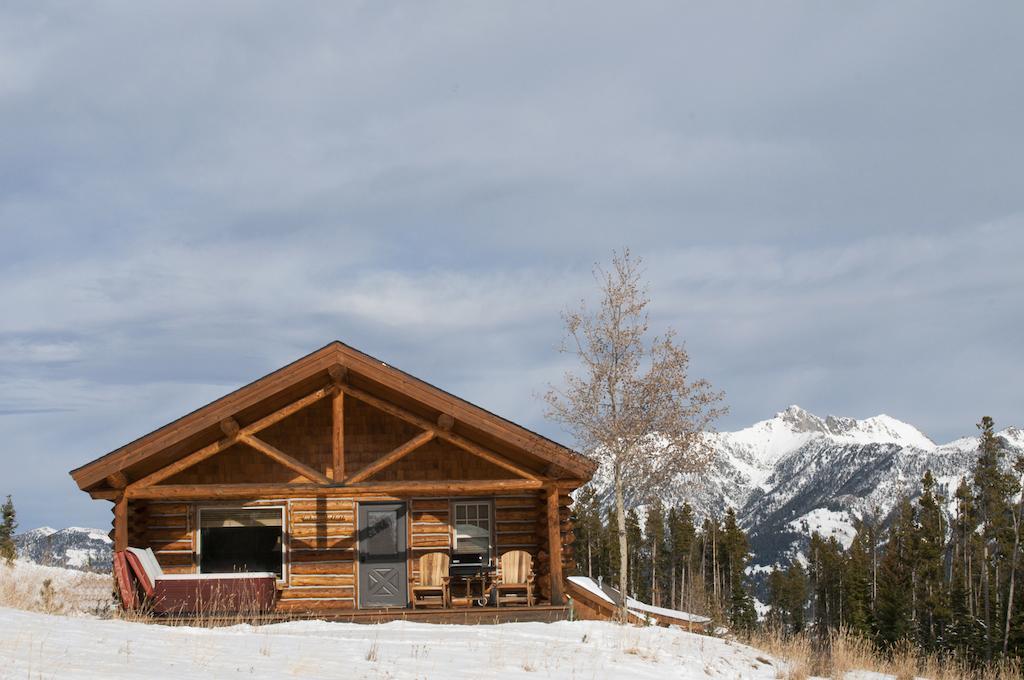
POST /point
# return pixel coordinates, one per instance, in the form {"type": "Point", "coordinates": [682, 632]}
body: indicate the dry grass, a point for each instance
{"type": "Point", "coordinates": [54, 591]}
{"type": "Point", "coordinates": [844, 652]}
{"type": "Point", "coordinates": [212, 614]}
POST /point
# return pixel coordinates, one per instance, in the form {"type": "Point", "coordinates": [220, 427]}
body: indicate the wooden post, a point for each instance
{"type": "Point", "coordinates": [121, 523]}
{"type": "Point", "coordinates": [338, 435]}
{"type": "Point", "coordinates": [554, 545]}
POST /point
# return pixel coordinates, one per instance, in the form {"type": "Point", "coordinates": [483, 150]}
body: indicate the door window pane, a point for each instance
{"type": "Point", "coordinates": [381, 532]}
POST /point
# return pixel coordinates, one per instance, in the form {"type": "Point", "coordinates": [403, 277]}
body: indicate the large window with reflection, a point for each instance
{"type": "Point", "coordinates": [233, 540]}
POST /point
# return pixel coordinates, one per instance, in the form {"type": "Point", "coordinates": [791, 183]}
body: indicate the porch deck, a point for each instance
{"type": "Point", "coordinates": [542, 613]}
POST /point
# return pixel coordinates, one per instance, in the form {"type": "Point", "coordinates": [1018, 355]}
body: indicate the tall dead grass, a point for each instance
{"type": "Point", "coordinates": [54, 591]}
{"type": "Point", "coordinates": [844, 652]}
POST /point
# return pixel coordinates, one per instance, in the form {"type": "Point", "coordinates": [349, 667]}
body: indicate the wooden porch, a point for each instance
{"type": "Point", "coordinates": [541, 613]}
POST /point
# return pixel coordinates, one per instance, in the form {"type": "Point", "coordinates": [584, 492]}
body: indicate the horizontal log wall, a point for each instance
{"type": "Point", "coordinates": [169, 532]}
{"type": "Point", "coordinates": [322, 542]}
{"type": "Point", "coordinates": [320, 539]}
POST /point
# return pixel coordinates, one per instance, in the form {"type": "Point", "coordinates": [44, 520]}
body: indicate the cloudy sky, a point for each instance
{"type": "Point", "coordinates": [829, 198]}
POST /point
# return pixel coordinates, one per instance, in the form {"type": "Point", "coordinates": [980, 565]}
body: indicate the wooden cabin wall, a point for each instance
{"type": "Point", "coordinates": [440, 460]}
{"type": "Point", "coordinates": [167, 528]}
{"type": "Point", "coordinates": [321, 546]}
{"type": "Point", "coordinates": [370, 434]}
{"type": "Point", "coordinates": [238, 464]}
{"type": "Point", "coordinates": [320, 539]}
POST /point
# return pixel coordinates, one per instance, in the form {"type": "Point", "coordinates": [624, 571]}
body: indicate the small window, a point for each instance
{"type": "Point", "coordinates": [473, 527]}
{"type": "Point", "coordinates": [235, 540]}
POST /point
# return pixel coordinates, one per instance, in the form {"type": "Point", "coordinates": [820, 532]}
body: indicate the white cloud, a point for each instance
{"type": "Point", "coordinates": [828, 200]}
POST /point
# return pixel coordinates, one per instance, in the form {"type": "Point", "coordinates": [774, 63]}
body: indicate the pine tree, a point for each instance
{"type": "Point", "coordinates": [634, 536]}
{"type": "Point", "coordinates": [857, 591]}
{"type": "Point", "coordinates": [931, 592]}
{"type": "Point", "coordinates": [710, 568]}
{"type": "Point", "coordinates": [654, 542]}
{"type": "Point", "coordinates": [993, 488]}
{"type": "Point", "coordinates": [826, 572]}
{"type": "Point", "coordinates": [587, 529]}
{"type": "Point", "coordinates": [8, 524]}
{"type": "Point", "coordinates": [963, 633]}
{"type": "Point", "coordinates": [1012, 594]}
{"type": "Point", "coordinates": [611, 556]}
{"type": "Point", "coordinates": [787, 593]}
{"type": "Point", "coordinates": [895, 580]}
{"type": "Point", "coordinates": [736, 553]}
{"type": "Point", "coordinates": [682, 535]}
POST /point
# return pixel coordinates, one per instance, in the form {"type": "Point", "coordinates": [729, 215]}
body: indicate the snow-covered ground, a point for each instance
{"type": "Point", "coordinates": [42, 646]}
{"type": "Point", "coordinates": [34, 644]}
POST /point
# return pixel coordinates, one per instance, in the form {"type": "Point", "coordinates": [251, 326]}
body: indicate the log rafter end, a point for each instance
{"type": "Point", "coordinates": [230, 427]}
{"type": "Point", "coordinates": [338, 373]}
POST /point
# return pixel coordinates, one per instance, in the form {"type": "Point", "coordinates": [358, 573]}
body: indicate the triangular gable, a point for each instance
{"type": "Point", "coordinates": [368, 379]}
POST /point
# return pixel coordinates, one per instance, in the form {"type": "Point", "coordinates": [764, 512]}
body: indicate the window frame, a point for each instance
{"type": "Point", "coordinates": [453, 510]}
{"type": "Point", "coordinates": [283, 509]}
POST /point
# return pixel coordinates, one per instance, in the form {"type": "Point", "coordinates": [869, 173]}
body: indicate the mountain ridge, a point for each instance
{"type": "Point", "coordinates": [796, 473]}
{"type": "Point", "coordinates": [78, 548]}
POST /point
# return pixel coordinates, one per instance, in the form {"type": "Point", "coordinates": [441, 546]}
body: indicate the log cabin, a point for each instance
{"type": "Point", "coordinates": [337, 473]}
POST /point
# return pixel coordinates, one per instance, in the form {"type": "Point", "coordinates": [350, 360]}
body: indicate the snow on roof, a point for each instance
{"type": "Point", "coordinates": [590, 585]}
{"type": "Point", "coordinates": [641, 609]}
{"type": "Point", "coordinates": [636, 606]}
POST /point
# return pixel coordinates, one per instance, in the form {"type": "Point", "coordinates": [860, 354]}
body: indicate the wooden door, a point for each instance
{"type": "Point", "coordinates": [383, 580]}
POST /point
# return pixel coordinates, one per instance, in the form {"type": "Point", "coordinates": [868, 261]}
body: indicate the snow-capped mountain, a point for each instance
{"type": "Point", "coordinates": [797, 473]}
{"type": "Point", "coordinates": [72, 548]}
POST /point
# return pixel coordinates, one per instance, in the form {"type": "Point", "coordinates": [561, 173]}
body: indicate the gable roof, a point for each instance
{"type": "Point", "coordinates": [269, 393]}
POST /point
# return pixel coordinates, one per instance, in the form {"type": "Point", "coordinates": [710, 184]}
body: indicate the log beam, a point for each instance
{"type": "Point", "coordinates": [284, 459]}
{"type": "Point", "coordinates": [490, 456]}
{"type": "Point", "coordinates": [265, 491]}
{"type": "Point", "coordinates": [281, 414]}
{"type": "Point", "coordinates": [554, 545]}
{"type": "Point", "coordinates": [392, 457]}
{"type": "Point", "coordinates": [338, 435]}
{"type": "Point", "coordinates": [445, 487]}
{"type": "Point", "coordinates": [121, 523]}
{"type": "Point", "coordinates": [338, 373]}
{"type": "Point", "coordinates": [179, 465]}
{"type": "Point", "coordinates": [229, 426]}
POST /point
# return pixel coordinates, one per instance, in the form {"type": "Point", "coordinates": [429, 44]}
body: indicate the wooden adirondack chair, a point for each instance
{"type": "Point", "coordinates": [515, 580]}
{"type": "Point", "coordinates": [432, 588]}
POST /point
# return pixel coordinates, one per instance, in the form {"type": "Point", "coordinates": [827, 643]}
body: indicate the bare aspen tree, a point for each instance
{"type": "Point", "coordinates": [632, 405]}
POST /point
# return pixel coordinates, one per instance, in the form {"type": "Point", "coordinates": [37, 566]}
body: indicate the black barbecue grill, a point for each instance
{"type": "Point", "coordinates": [468, 564]}
{"type": "Point", "coordinates": [467, 568]}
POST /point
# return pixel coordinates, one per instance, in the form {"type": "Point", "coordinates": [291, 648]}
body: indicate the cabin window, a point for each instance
{"type": "Point", "coordinates": [473, 527]}
{"type": "Point", "coordinates": [235, 540]}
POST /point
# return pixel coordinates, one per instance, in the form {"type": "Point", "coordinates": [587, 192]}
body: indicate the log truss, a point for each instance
{"type": "Point", "coordinates": [336, 481]}
{"type": "Point", "coordinates": [149, 486]}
